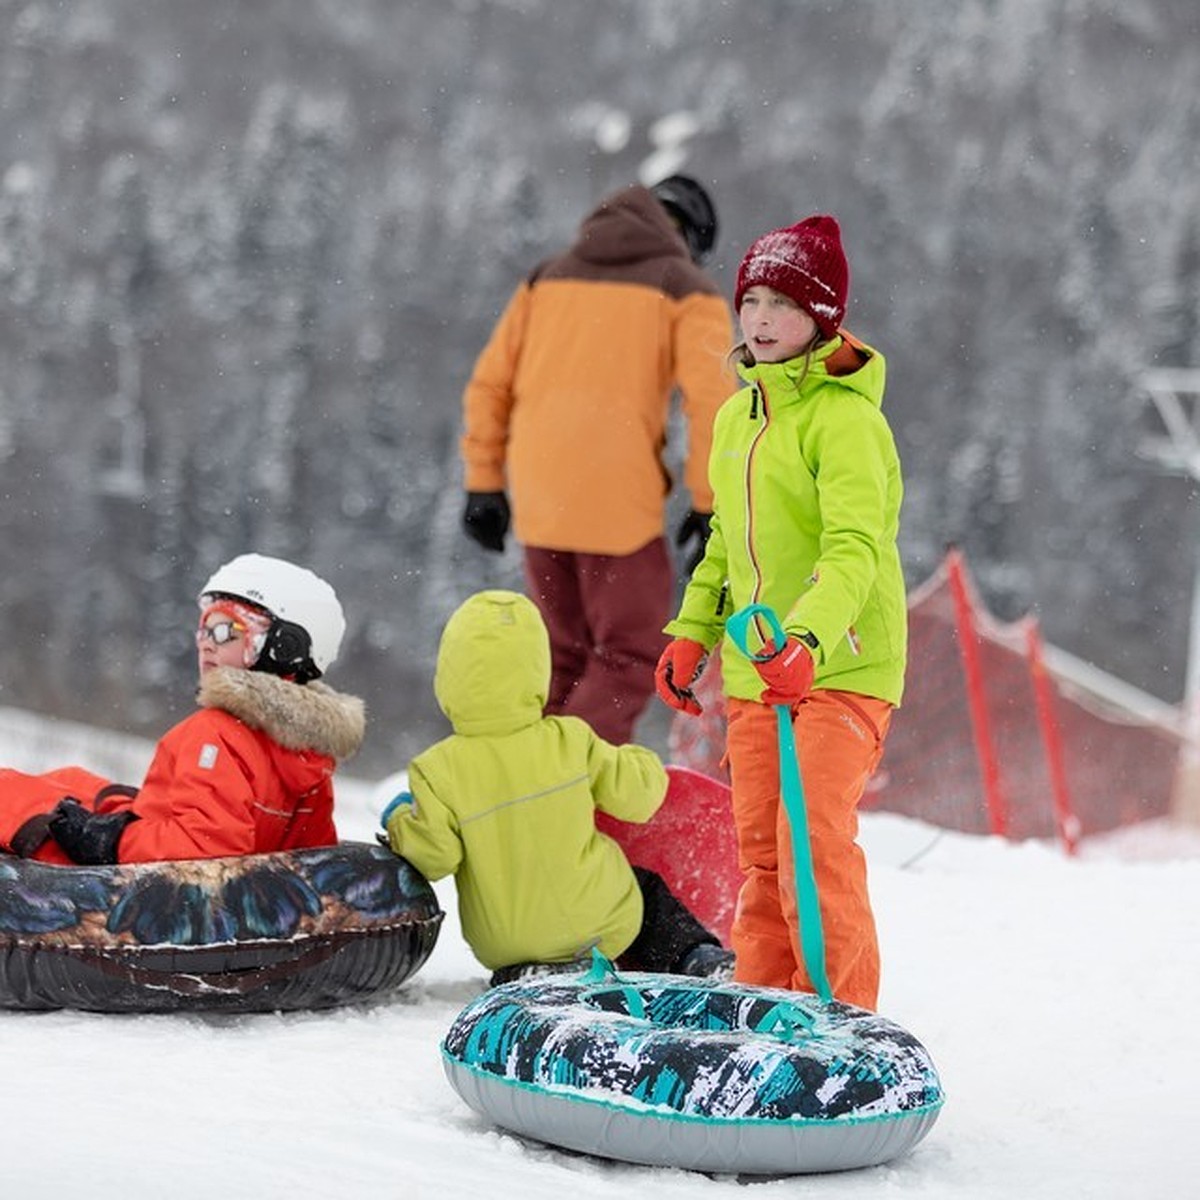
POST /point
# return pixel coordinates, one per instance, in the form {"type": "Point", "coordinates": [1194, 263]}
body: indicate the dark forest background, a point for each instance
{"type": "Point", "coordinates": [248, 252]}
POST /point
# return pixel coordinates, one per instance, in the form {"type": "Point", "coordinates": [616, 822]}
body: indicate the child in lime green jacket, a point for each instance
{"type": "Point", "coordinates": [807, 491]}
{"type": "Point", "coordinates": [507, 805]}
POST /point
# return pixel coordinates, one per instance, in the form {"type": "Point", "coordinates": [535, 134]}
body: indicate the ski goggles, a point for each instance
{"type": "Point", "coordinates": [224, 620]}
{"type": "Point", "coordinates": [220, 632]}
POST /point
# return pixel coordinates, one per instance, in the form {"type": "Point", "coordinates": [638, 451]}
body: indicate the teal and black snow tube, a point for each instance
{"type": "Point", "coordinates": [706, 1076]}
{"type": "Point", "coordinates": [278, 932]}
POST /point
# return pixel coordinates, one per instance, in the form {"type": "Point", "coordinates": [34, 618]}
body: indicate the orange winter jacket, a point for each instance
{"type": "Point", "coordinates": [249, 773]}
{"type": "Point", "coordinates": [568, 404]}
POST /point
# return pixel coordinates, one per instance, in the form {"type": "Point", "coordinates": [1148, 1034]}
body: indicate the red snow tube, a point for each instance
{"type": "Point", "coordinates": [262, 932]}
{"type": "Point", "coordinates": [691, 842]}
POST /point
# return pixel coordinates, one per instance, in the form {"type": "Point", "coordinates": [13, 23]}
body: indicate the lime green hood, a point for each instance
{"type": "Point", "coordinates": [493, 667]}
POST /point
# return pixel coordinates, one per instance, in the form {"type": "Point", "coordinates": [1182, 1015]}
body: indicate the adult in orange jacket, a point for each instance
{"type": "Point", "coordinates": [566, 413]}
{"type": "Point", "coordinates": [250, 772]}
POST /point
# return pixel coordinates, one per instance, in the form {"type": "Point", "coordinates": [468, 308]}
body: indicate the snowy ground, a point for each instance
{"type": "Point", "coordinates": [1057, 998]}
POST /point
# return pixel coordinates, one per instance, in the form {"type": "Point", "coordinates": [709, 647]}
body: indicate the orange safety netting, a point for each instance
{"type": "Point", "coordinates": [997, 735]}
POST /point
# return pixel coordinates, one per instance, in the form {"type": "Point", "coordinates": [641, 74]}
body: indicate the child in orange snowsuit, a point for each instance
{"type": "Point", "coordinates": [807, 491]}
{"type": "Point", "coordinates": [249, 772]}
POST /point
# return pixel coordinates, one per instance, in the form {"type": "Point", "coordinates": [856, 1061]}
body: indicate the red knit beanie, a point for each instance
{"type": "Point", "coordinates": [806, 263]}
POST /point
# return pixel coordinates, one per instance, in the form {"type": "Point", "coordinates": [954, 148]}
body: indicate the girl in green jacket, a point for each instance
{"type": "Point", "coordinates": [807, 490]}
{"type": "Point", "coordinates": [507, 805]}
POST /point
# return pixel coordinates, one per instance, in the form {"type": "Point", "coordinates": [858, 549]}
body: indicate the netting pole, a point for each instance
{"type": "Point", "coordinates": [1043, 695]}
{"type": "Point", "coordinates": [968, 644]}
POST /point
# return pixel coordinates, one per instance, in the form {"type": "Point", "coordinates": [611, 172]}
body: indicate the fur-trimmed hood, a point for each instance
{"type": "Point", "coordinates": [299, 716]}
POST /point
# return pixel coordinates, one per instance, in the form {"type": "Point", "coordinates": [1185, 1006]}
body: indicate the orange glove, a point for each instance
{"type": "Point", "coordinates": [680, 665]}
{"type": "Point", "coordinates": [788, 673]}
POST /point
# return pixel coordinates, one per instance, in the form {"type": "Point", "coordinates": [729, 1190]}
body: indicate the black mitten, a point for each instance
{"type": "Point", "coordinates": [485, 519]}
{"type": "Point", "coordinates": [88, 838]}
{"type": "Point", "coordinates": [696, 526]}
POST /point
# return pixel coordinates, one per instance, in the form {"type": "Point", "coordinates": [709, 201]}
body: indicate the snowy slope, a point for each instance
{"type": "Point", "coordinates": [1056, 997]}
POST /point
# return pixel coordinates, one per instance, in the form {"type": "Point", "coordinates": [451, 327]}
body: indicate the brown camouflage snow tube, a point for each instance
{"type": "Point", "coordinates": [302, 929]}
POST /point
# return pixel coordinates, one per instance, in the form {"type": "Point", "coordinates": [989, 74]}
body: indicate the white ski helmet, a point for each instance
{"type": "Point", "coordinates": [307, 620]}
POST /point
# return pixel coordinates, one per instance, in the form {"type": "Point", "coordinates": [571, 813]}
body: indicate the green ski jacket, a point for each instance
{"type": "Point", "coordinates": [507, 804]}
{"type": "Point", "coordinates": [807, 490]}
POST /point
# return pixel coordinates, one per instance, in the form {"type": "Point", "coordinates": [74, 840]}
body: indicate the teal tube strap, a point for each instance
{"type": "Point", "coordinates": [603, 971]}
{"type": "Point", "coordinates": [788, 1022]}
{"type": "Point", "coordinates": [812, 933]}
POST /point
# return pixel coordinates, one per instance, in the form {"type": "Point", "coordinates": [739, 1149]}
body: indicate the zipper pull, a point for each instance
{"type": "Point", "coordinates": [754, 403]}
{"type": "Point", "coordinates": [721, 598]}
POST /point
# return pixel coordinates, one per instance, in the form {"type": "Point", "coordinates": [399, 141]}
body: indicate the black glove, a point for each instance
{"type": "Point", "coordinates": [695, 526]}
{"type": "Point", "coordinates": [88, 838]}
{"type": "Point", "coordinates": [485, 519]}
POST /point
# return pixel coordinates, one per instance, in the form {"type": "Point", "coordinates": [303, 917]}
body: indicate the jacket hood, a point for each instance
{"type": "Point", "coordinates": [854, 366]}
{"type": "Point", "coordinates": [493, 667]}
{"type": "Point", "coordinates": [629, 226]}
{"type": "Point", "coordinates": [299, 716]}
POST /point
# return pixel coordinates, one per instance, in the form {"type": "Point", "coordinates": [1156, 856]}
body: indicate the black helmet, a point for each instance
{"type": "Point", "coordinates": [692, 208]}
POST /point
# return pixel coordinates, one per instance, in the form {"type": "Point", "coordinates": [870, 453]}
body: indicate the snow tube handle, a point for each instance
{"type": "Point", "coordinates": [737, 627]}
{"type": "Point", "coordinates": [812, 934]}
{"type": "Point", "coordinates": [603, 971]}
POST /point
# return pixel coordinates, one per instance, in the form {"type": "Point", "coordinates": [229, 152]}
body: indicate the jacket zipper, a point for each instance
{"type": "Point", "coordinates": [758, 395]}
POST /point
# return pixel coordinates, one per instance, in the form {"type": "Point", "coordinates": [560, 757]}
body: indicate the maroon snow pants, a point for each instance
{"type": "Point", "coordinates": [605, 614]}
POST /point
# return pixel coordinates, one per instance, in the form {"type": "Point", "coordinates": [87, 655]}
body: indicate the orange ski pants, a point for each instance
{"type": "Point", "coordinates": [839, 742]}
